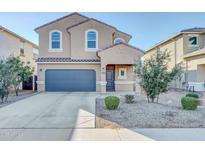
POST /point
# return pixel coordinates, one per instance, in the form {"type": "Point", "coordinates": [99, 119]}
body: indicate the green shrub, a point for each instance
{"type": "Point", "coordinates": [129, 99]}
{"type": "Point", "coordinates": [112, 102]}
{"type": "Point", "coordinates": [189, 103]}
{"type": "Point", "coordinates": [192, 95]}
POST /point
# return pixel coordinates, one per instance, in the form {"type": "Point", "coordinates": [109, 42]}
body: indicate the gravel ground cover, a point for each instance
{"type": "Point", "coordinates": [165, 114]}
{"type": "Point", "coordinates": [13, 98]}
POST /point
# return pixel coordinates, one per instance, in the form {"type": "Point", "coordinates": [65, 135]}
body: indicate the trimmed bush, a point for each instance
{"type": "Point", "coordinates": [192, 95]}
{"type": "Point", "coordinates": [189, 103]}
{"type": "Point", "coordinates": [112, 102]}
{"type": "Point", "coordinates": [129, 99]}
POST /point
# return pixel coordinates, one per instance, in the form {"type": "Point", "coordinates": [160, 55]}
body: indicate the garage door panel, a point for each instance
{"type": "Point", "coordinates": [70, 80]}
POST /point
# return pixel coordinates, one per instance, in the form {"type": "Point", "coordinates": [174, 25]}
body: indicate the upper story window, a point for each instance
{"type": "Point", "coordinates": [91, 37]}
{"type": "Point", "coordinates": [55, 40]}
{"type": "Point", "coordinates": [118, 40]}
{"type": "Point", "coordinates": [22, 46]}
{"type": "Point", "coordinates": [193, 40]}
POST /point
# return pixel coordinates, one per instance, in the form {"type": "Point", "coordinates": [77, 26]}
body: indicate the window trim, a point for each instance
{"type": "Point", "coordinates": [50, 42]}
{"type": "Point", "coordinates": [123, 41]}
{"type": "Point", "coordinates": [86, 40]}
{"type": "Point", "coordinates": [197, 40]}
{"type": "Point", "coordinates": [119, 73]}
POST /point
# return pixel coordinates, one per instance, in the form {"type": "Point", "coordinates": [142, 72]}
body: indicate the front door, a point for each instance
{"type": "Point", "coordinates": [110, 78]}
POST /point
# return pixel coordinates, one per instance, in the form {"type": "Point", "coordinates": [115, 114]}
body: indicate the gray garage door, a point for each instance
{"type": "Point", "coordinates": [70, 80]}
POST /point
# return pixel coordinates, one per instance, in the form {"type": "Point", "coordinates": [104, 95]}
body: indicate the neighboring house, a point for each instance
{"type": "Point", "coordinates": [187, 47]}
{"type": "Point", "coordinates": [77, 53]}
{"type": "Point", "coordinates": [11, 44]}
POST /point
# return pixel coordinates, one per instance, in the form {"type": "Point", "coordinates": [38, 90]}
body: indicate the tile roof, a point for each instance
{"type": "Point", "coordinates": [61, 59]}
{"type": "Point", "coordinates": [123, 44]}
{"type": "Point", "coordinates": [86, 20]}
{"type": "Point", "coordinates": [195, 29]}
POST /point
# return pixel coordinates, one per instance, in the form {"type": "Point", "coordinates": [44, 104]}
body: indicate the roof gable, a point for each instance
{"type": "Point", "coordinates": [87, 19]}
{"type": "Point", "coordinates": [122, 44]}
{"type": "Point", "coordinates": [59, 19]}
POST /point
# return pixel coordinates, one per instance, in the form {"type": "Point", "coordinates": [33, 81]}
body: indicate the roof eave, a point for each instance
{"type": "Point", "coordinates": [128, 45]}
{"type": "Point", "coordinates": [164, 41]}
{"type": "Point", "coordinates": [172, 37]}
{"type": "Point", "coordinates": [71, 14]}
{"type": "Point", "coordinates": [18, 36]}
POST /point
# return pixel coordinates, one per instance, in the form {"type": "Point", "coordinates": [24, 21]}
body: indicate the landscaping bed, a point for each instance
{"type": "Point", "coordinates": [168, 113]}
{"type": "Point", "coordinates": [13, 98]}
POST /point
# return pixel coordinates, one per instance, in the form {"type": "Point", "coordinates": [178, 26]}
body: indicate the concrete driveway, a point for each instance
{"type": "Point", "coordinates": [50, 110]}
{"type": "Point", "coordinates": [47, 116]}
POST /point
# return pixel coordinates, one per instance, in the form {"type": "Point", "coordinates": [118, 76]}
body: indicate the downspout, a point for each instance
{"type": "Point", "coordinates": [175, 56]}
{"type": "Point", "coordinates": [69, 34]}
{"type": "Point", "coordinates": [69, 43]}
{"type": "Point", "coordinates": [175, 53]}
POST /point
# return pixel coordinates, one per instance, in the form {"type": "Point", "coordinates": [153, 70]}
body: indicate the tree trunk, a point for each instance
{"type": "Point", "coordinates": [17, 91]}
{"type": "Point", "coordinates": [148, 98]}
{"type": "Point", "coordinates": [157, 98]}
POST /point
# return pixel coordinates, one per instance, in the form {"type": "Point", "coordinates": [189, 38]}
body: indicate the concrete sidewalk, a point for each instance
{"type": "Point", "coordinates": [71, 134]}
{"type": "Point", "coordinates": [122, 134]}
{"type": "Point", "coordinates": [92, 134]}
{"type": "Point", "coordinates": [173, 134]}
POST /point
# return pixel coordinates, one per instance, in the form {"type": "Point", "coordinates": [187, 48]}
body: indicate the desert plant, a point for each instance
{"type": "Point", "coordinates": [192, 95]}
{"type": "Point", "coordinates": [19, 70]}
{"type": "Point", "coordinates": [189, 103]}
{"type": "Point", "coordinates": [155, 77]}
{"type": "Point", "coordinates": [129, 99]}
{"type": "Point", "coordinates": [112, 102]}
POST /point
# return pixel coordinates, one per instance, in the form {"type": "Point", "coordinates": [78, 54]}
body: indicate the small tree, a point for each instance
{"type": "Point", "coordinates": [5, 81]}
{"type": "Point", "coordinates": [155, 76]}
{"type": "Point", "coordinates": [20, 72]}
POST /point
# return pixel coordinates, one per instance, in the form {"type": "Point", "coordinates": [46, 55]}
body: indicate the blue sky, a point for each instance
{"type": "Point", "coordinates": [147, 29]}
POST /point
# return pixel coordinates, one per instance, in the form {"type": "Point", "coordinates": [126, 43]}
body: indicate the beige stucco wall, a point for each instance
{"type": "Point", "coordinates": [105, 39]}
{"type": "Point", "coordinates": [201, 73]}
{"type": "Point", "coordinates": [43, 67]}
{"type": "Point", "coordinates": [124, 84]}
{"type": "Point", "coordinates": [73, 45]}
{"type": "Point", "coordinates": [73, 39]}
{"type": "Point", "coordinates": [10, 46]}
{"type": "Point", "coordinates": [121, 56]}
{"type": "Point", "coordinates": [195, 68]}
{"type": "Point", "coordinates": [62, 26]}
{"type": "Point", "coordinates": [189, 49]}
{"type": "Point", "coordinates": [121, 85]}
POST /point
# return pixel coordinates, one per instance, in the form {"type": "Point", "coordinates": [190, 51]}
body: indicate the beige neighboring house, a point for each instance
{"type": "Point", "coordinates": [11, 44]}
{"type": "Point", "coordinates": [77, 53]}
{"type": "Point", "coordinates": [188, 47]}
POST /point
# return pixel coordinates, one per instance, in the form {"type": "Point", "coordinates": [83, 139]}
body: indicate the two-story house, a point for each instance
{"type": "Point", "coordinates": [77, 53]}
{"type": "Point", "coordinates": [12, 44]}
{"type": "Point", "coordinates": [186, 47]}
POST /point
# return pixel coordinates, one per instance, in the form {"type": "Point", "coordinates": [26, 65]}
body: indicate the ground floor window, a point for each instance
{"type": "Point", "coordinates": [122, 73]}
